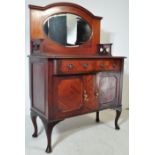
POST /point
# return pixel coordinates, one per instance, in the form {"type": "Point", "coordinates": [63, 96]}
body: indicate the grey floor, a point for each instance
{"type": "Point", "coordinates": [82, 136]}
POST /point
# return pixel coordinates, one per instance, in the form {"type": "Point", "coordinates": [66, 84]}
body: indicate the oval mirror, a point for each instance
{"type": "Point", "coordinates": [67, 29]}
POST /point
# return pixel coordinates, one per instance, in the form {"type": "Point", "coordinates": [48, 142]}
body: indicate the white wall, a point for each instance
{"type": "Point", "coordinates": [114, 29]}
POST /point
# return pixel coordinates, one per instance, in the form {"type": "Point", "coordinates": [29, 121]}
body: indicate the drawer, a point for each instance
{"type": "Point", "coordinates": [79, 66]}
{"type": "Point", "coordinates": [108, 65]}
{"type": "Point", "coordinates": [74, 66]}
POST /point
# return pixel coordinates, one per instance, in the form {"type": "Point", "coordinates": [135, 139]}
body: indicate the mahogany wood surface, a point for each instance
{"type": "Point", "coordinates": [72, 66]}
{"type": "Point", "coordinates": [67, 82]}
{"type": "Point", "coordinates": [68, 92]}
{"type": "Point", "coordinates": [38, 16]}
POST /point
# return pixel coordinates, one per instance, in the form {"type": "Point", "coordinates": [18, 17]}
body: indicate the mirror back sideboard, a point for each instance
{"type": "Point", "coordinates": [71, 73]}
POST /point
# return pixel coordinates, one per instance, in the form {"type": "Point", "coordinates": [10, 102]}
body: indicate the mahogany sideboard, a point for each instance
{"type": "Point", "coordinates": [71, 73]}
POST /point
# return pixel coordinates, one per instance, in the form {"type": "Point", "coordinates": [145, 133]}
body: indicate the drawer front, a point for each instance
{"type": "Point", "coordinates": [85, 66]}
{"type": "Point", "coordinates": [108, 65]}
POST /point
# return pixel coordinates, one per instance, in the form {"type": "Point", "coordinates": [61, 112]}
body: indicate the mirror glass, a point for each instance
{"type": "Point", "coordinates": [67, 29]}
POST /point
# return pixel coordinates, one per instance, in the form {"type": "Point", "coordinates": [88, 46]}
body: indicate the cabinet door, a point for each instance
{"type": "Point", "coordinates": [68, 95]}
{"type": "Point", "coordinates": [91, 95]}
{"type": "Point", "coordinates": [107, 87]}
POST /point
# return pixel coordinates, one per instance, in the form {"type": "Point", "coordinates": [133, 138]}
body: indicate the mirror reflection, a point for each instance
{"type": "Point", "coordinates": [67, 29]}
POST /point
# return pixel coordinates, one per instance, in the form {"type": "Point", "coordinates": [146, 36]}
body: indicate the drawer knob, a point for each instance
{"type": "Point", "coordinates": [85, 66]}
{"type": "Point", "coordinates": [114, 65]}
{"type": "Point", "coordinates": [70, 66]}
{"type": "Point", "coordinates": [102, 65]}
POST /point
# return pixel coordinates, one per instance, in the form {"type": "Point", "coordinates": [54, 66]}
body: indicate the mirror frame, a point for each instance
{"type": "Point", "coordinates": [74, 46]}
{"type": "Point", "coordinates": [39, 14]}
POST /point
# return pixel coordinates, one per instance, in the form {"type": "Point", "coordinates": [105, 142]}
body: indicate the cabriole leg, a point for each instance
{"type": "Point", "coordinates": [97, 117]}
{"type": "Point", "coordinates": [118, 113]}
{"type": "Point", "coordinates": [48, 129]}
{"type": "Point", "coordinates": [34, 122]}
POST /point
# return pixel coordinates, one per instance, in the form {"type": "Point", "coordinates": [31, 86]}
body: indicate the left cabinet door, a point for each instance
{"type": "Point", "coordinates": [68, 96]}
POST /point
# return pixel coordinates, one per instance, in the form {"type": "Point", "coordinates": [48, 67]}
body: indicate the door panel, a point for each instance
{"type": "Point", "coordinates": [68, 95]}
{"type": "Point", "coordinates": [89, 86]}
{"type": "Point", "coordinates": [107, 86]}
{"type": "Point", "coordinates": [107, 89]}
{"type": "Point", "coordinates": [38, 86]}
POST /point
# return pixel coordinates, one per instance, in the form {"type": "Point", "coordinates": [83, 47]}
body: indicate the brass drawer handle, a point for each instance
{"type": "Point", "coordinates": [114, 65]}
{"type": "Point", "coordinates": [85, 66]}
{"type": "Point", "coordinates": [70, 66]}
{"type": "Point", "coordinates": [85, 95]}
{"type": "Point", "coordinates": [96, 94]}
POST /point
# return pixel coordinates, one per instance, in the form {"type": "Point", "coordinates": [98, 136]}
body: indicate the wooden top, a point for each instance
{"type": "Point", "coordinates": [75, 56]}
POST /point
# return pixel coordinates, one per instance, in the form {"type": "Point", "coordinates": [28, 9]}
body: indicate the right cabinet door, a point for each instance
{"type": "Point", "coordinates": [108, 87]}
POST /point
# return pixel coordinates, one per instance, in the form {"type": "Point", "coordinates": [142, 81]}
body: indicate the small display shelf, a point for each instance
{"type": "Point", "coordinates": [105, 49]}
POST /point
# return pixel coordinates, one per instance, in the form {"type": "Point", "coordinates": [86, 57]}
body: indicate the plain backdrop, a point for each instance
{"type": "Point", "coordinates": [114, 29]}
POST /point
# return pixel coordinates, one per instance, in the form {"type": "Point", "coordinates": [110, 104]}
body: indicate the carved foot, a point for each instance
{"type": "Point", "coordinates": [35, 135]}
{"type": "Point", "coordinates": [48, 149]}
{"type": "Point", "coordinates": [97, 117]}
{"type": "Point", "coordinates": [118, 113]}
{"type": "Point", "coordinates": [34, 122]}
{"type": "Point", "coordinates": [48, 129]}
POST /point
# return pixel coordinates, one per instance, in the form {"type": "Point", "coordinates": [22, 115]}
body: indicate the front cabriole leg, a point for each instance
{"type": "Point", "coordinates": [48, 129]}
{"type": "Point", "coordinates": [34, 122]}
{"type": "Point", "coordinates": [118, 113]}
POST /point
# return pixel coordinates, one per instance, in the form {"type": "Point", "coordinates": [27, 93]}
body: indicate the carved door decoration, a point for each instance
{"type": "Point", "coordinates": [107, 85]}
{"type": "Point", "coordinates": [91, 94]}
{"type": "Point", "coordinates": [69, 94]}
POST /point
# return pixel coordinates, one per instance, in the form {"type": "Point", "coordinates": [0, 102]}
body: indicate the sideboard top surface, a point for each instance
{"type": "Point", "coordinates": [75, 56]}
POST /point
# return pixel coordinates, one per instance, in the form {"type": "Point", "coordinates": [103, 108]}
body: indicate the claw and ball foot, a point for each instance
{"type": "Point", "coordinates": [34, 122]}
{"type": "Point", "coordinates": [118, 113]}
